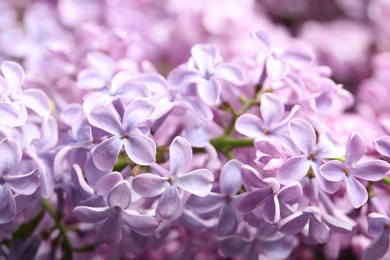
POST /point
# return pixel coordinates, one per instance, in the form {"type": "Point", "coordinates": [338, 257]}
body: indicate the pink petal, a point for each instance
{"type": "Point", "coordinates": [149, 185]}
{"type": "Point", "coordinates": [136, 113]}
{"type": "Point", "coordinates": [230, 179]}
{"type": "Point", "coordinates": [36, 100]}
{"type": "Point", "coordinates": [356, 148]}
{"type": "Point", "coordinates": [294, 169]}
{"type": "Point", "coordinates": [104, 185]}
{"type": "Point", "coordinates": [329, 146]}
{"type": "Point", "coordinates": [250, 125]}
{"type": "Point", "coordinates": [140, 223]}
{"type": "Point", "coordinates": [382, 145]}
{"type": "Point", "coordinates": [209, 91]}
{"type": "Point", "coordinates": [272, 109]}
{"type": "Point", "coordinates": [378, 248]}
{"type": "Point", "coordinates": [333, 170]}
{"type": "Point", "coordinates": [206, 204]}
{"type": "Point", "coordinates": [377, 223]}
{"type": "Point", "coordinates": [110, 231]}
{"type": "Point", "coordinates": [91, 214]}
{"type": "Point", "coordinates": [120, 195]}
{"type": "Point", "coordinates": [103, 63]}
{"type": "Point", "coordinates": [90, 79]}
{"type": "Point", "coordinates": [303, 135]}
{"type": "Point", "coordinates": [335, 224]}
{"type": "Point", "coordinates": [262, 40]}
{"type": "Point", "coordinates": [271, 210]}
{"type": "Point", "coordinates": [291, 193]}
{"type": "Point", "coordinates": [11, 154]}
{"type": "Point", "coordinates": [13, 74]}
{"type": "Point", "coordinates": [105, 118]}
{"type": "Point", "coordinates": [294, 223]}
{"type": "Point", "coordinates": [7, 205]}
{"type": "Point", "coordinates": [25, 184]}
{"type": "Point", "coordinates": [230, 73]}
{"type": "Point", "coordinates": [373, 170]}
{"type": "Point", "coordinates": [205, 57]}
{"type": "Point", "coordinates": [277, 69]}
{"type": "Point", "coordinates": [182, 75]}
{"type": "Point", "coordinates": [180, 155]}
{"type": "Point", "coordinates": [228, 222]}
{"type": "Point", "coordinates": [298, 56]}
{"type": "Point", "coordinates": [318, 232]}
{"type": "Point", "coordinates": [252, 178]}
{"type": "Point", "coordinates": [254, 199]}
{"type": "Point", "coordinates": [198, 182]}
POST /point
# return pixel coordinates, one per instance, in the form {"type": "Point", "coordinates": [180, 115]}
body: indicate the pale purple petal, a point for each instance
{"type": "Point", "coordinates": [250, 125]}
{"type": "Point", "coordinates": [356, 148]}
{"type": "Point", "coordinates": [271, 210]}
{"type": "Point", "coordinates": [279, 248]}
{"type": "Point", "coordinates": [110, 231]}
{"type": "Point", "coordinates": [318, 232]}
{"type": "Point", "coordinates": [91, 214]}
{"type": "Point", "coordinates": [182, 75]}
{"type": "Point", "coordinates": [378, 247]}
{"type": "Point", "coordinates": [170, 206]}
{"type": "Point", "coordinates": [291, 193]}
{"type": "Point", "coordinates": [11, 154]}
{"type": "Point", "coordinates": [140, 149]}
{"type": "Point", "coordinates": [327, 186]}
{"type": "Point", "coordinates": [230, 73]}
{"type": "Point", "coordinates": [9, 114]}
{"type": "Point", "coordinates": [382, 145]}
{"type": "Point", "coordinates": [303, 135]}
{"type": "Point", "coordinates": [104, 185]}
{"type": "Point", "coordinates": [294, 223]}
{"type": "Point", "coordinates": [262, 40]}
{"type": "Point", "coordinates": [205, 57]}
{"type": "Point", "coordinates": [139, 223]}
{"type": "Point", "coordinates": [198, 182]}
{"type": "Point", "coordinates": [276, 68]}
{"type": "Point", "coordinates": [230, 179]}
{"type": "Point", "coordinates": [7, 205]}
{"type": "Point", "coordinates": [105, 118]}
{"type": "Point", "coordinates": [36, 100]}
{"type": "Point", "coordinates": [297, 55]}
{"type": "Point", "coordinates": [329, 146]}
{"type": "Point", "coordinates": [209, 91]}
{"type": "Point", "coordinates": [196, 105]}
{"type": "Point", "coordinates": [205, 204]}
{"type": "Point", "coordinates": [103, 63]}
{"type": "Point", "coordinates": [25, 184]}
{"type": "Point", "coordinates": [49, 133]}
{"type": "Point", "coordinates": [180, 155]}
{"type": "Point", "coordinates": [377, 223]}
{"type": "Point", "coordinates": [13, 74]}
{"type": "Point", "coordinates": [294, 169]}
{"type": "Point", "coordinates": [136, 113]}
{"type": "Point", "coordinates": [228, 222]}
{"type": "Point", "coordinates": [90, 79]}
{"type": "Point", "coordinates": [120, 195]}
{"type": "Point", "coordinates": [105, 154]}
{"type": "Point", "coordinates": [272, 109]}
{"type": "Point", "coordinates": [252, 178]}
{"type": "Point", "coordinates": [357, 193]}
{"type": "Point", "coordinates": [335, 224]}
{"type": "Point", "coordinates": [233, 246]}
{"type": "Point", "coordinates": [149, 185]}
{"type": "Point", "coordinates": [254, 199]}
{"type": "Point", "coordinates": [373, 170]}
{"type": "Point", "coordinates": [79, 180]}
{"type": "Point", "coordinates": [333, 170]}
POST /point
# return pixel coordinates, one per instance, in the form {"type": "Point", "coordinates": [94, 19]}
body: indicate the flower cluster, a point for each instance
{"type": "Point", "coordinates": [172, 130]}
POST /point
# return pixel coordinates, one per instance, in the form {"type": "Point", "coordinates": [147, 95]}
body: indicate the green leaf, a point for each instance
{"type": "Point", "coordinates": [25, 230]}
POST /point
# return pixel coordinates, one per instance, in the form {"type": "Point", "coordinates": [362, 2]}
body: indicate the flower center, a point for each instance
{"type": "Point", "coordinates": [265, 131]}
{"type": "Point", "coordinates": [311, 156]}
{"type": "Point", "coordinates": [346, 171]}
{"type": "Point", "coordinates": [125, 137]}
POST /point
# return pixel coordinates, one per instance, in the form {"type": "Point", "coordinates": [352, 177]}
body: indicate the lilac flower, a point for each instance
{"type": "Point", "coordinates": [270, 155]}
{"type": "Point", "coordinates": [140, 148]}
{"type": "Point", "coordinates": [304, 137]}
{"type": "Point", "coordinates": [319, 224]}
{"type": "Point", "coordinates": [198, 182]}
{"type": "Point", "coordinates": [109, 218]}
{"type": "Point", "coordinates": [267, 192]}
{"type": "Point", "coordinates": [208, 72]}
{"type": "Point", "coordinates": [12, 181]}
{"type": "Point", "coordinates": [382, 145]}
{"type": "Point", "coordinates": [351, 171]}
{"type": "Point", "coordinates": [14, 100]}
{"type": "Point", "coordinates": [272, 125]}
{"type": "Point", "coordinates": [378, 226]}
{"type": "Point", "coordinates": [279, 62]}
{"type": "Point", "coordinates": [230, 183]}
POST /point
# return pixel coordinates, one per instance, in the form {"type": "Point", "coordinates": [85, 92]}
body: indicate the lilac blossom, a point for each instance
{"type": "Point", "coordinates": [207, 73]}
{"type": "Point", "coordinates": [140, 148]}
{"type": "Point", "coordinates": [11, 180]}
{"type": "Point", "coordinates": [313, 154]}
{"type": "Point", "coordinates": [198, 182]}
{"type": "Point", "coordinates": [378, 226]}
{"type": "Point", "coordinates": [110, 217]}
{"type": "Point", "coordinates": [350, 171]}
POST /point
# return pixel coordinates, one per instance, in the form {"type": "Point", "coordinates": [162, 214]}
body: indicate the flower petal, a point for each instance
{"type": "Point", "coordinates": [277, 69]}
{"type": "Point", "coordinates": [209, 91]}
{"type": "Point", "coordinates": [230, 180]}
{"type": "Point", "coordinates": [356, 148]}
{"type": "Point", "coordinates": [335, 224]}
{"type": "Point", "coordinates": [294, 223]}
{"type": "Point", "coordinates": [170, 206]}
{"type": "Point", "coordinates": [198, 182]}
{"type": "Point", "coordinates": [294, 169]}
{"type": "Point", "coordinates": [382, 145]}
{"type": "Point", "coordinates": [11, 154]}
{"type": "Point", "coordinates": [104, 185]}
{"type": "Point", "coordinates": [180, 155]}
{"type": "Point", "coordinates": [120, 195]}
{"type": "Point", "coordinates": [136, 113]}
{"type": "Point", "coordinates": [373, 170]}
{"type": "Point", "coordinates": [250, 125]}
{"type": "Point", "coordinates": [298, 56]}
{"type": "Point", "coordinates": [272, 109]}
{"type": "Point", "coordinates": [149, 185]}
{"type": "Point", "coordinates": [205, 57]}
{"type": "Point", "coordinates": [140, 223]}
{"type": "Point", "coordinates": [228, 222]}
{"type": "Point", "coordinates": [7, 205]}
{"type": "Point", "coordinates": [303, 135]}
{"type": "Point", "coordinates": [291, 193]}
{"type": "Point", "coordinates": [230, 73]}
{"type": "Point", "coordinates": [105, 154]}
{"type": "Point", "coordinates": [25, 184]}
{"type": "Point", "coordinates": [378, 247]}
{"type": "Point", "coordinates": [110, 231]}
{"type": "Point", "coordinates": [318, 232]}
{"type": "Point", "coordinates": [182, 75]}
{"type": "Point", "coordinates": [333, 170]}
{"type": "Point", "coordinates": [206, 204]}
{"type": "Point", "coordinates": [271, 210]}
{"type": "Point", "coordinates": [91, 214]}
{"type": "Point", "coordinates": [36, 100]}
{"type": "Point", "coordinates": [105, 118]}
{"type": "Point", "coordinates": [329, 146]}
{"type": "Point", "coordinates": [234, 246]}
{"type": "Point", "coordinates": [357, 193]}
{"type": "Point", "coordinates": [254, 199]}
{"type": "Point", "coordinates": [13, 74]}
{"type": "Point", "coordinates": [140, 149]}
{"type": "Point", "coordinates": [262, 40]}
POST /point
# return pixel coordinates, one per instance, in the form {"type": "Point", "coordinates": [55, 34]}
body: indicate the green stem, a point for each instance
{"type": "Point", "coordinates": [225, 144]}
{"type": "Point", "coordinates": [386, 180]}
{"type": "Point", "coordinates": [61, 227]}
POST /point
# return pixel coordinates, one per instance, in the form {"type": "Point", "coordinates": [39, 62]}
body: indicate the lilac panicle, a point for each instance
{"type": "Point", "coordinates": [198, 182]}
{"type": "Point", "coordinates": [350, 171]}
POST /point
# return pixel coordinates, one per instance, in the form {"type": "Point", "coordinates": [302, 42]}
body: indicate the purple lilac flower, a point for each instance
{"type": "Point", "coordinates": [304, 137]}
{"type": "Point", "coordinates": [350, 171]}
{"type": "Point", "coordinates": [378, 226]}
{"type": "Point", "coordinates": [11, 180]}
{"type": "Point", "coordinates": [207, 73]}
{"type": "Point", "coordinates": [198, 182]}
{"type": "Point", "coordinates": [140, 148]}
